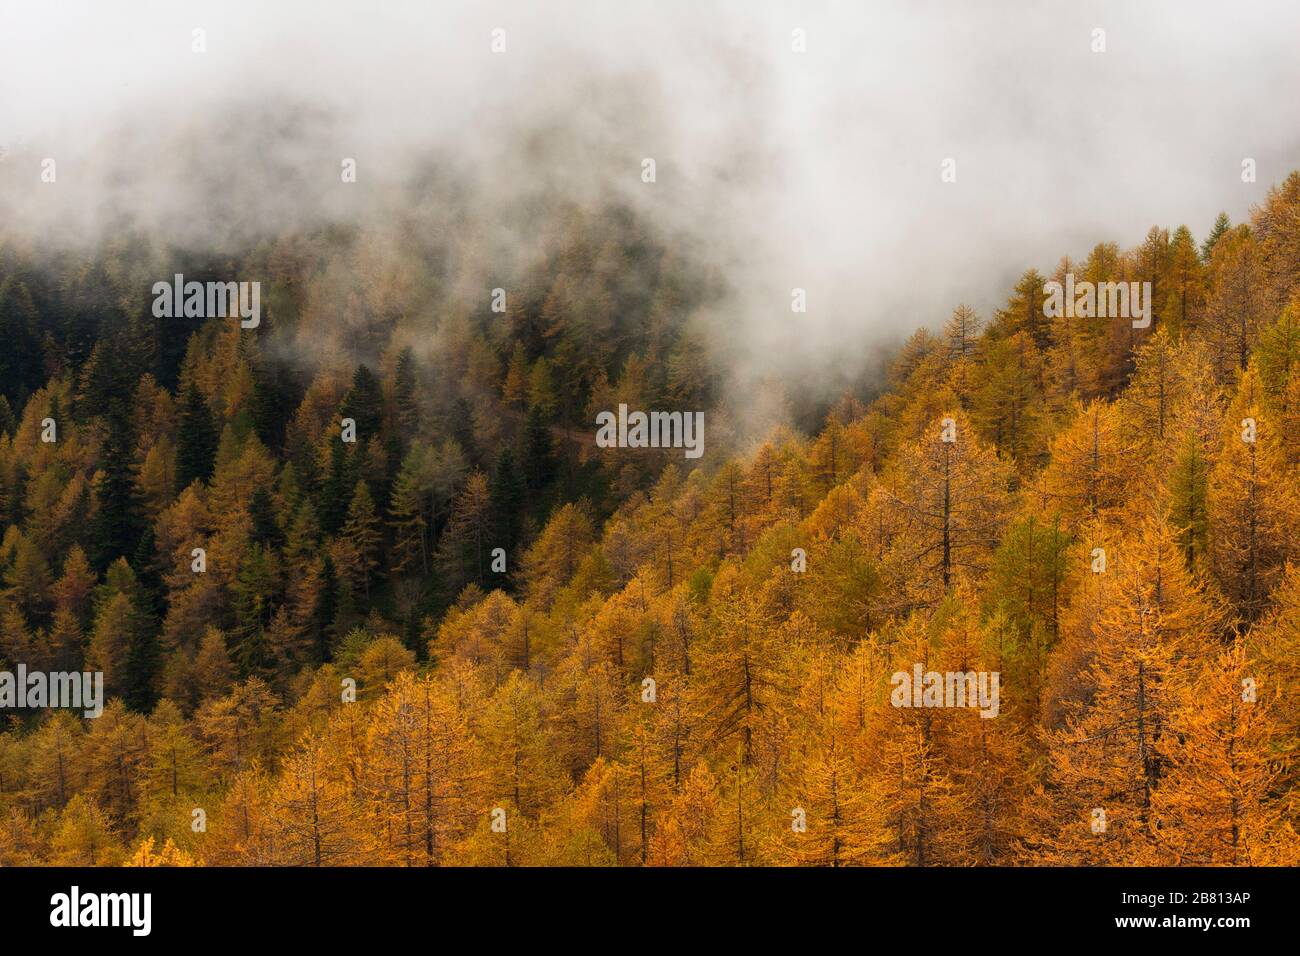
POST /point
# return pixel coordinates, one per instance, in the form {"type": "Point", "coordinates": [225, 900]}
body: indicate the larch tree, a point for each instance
{"type": "Point", "coordinates": [313, 822]}
{"type": "Point", "coordinates": [741, 675]}
{"type": "Point", "coordinates": [1184, 292]}
{"type": "Point", "coordinates": [1217, 804]}
{"type": "Point", "coordinates": [949, 495]}
{"type": "Point", "coordinates": [521, 772]}
{"type": "Point", "coordinates": [1092, 466]}
{"type": "Point", "coordinates": [1252, 506]}
{"type": "Point", "coordinates": [1237, 308]}
{"type": "Point", "coordinates": [835, 818]}
{"type": "Point", "coordinates": [962, 332]}
{"type": "Point", "coordinates": [85, 836]}
{"type": "Point", "coordinates": [905, 766]}
{"type": "Point", "coordinates": [1154, 624]}
{"type": "Point", "coordinates": [1007, 401]}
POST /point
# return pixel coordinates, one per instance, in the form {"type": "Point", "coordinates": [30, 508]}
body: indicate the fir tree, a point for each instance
{"type": "Point", "coordinates": [196, 439]}
{"type": "Point", "coordinates": [117, 522]}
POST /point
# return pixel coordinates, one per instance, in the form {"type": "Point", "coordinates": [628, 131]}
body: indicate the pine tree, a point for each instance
{"type": "Point", "coordinates": [514, 388]}
{"type": "Point", "coordinates": [213, 671]}
{"type": "Point", "coordinates": [332, 502]}
{"type": "Point", "coordinates": [27, 580]}
{"type": "Point", "coordinates": [20, 364]}
{"type": "Point", "coordinates": [196, 439]}
{"type": "Point", "coordinates": [326, 610]}
{"type": "Point", "coordinates": [174, 764]}
{"type": "Point", "coordinates": [111, 642]}
{"type": "Point", "coordinates": [408, 521]}
{"type": "Point", "coordinates": [364, 404]}
{"type": "Point", "coordinates": [8, 424]}
{"type": "Point", "coordinates": [142, 666]}
{"type": "Point", "coordinates": [1024, 312]}
{"type": "Point", "coordinates": [1008, 396]}
{"type": "Point", "coordinates": [508, 493]}
{"type": "Point", "coordinates": [553, 557]}
{"type": "Point", "coordinates": [261, 511]}
{"type": "Point", "coordinates": [1221, 225]}
{"type": "Point", "coordinates": [538, 457]}
{"type": "Point", "coordinates": [742, 676]}
{"type": "Point", "coordinates": [467, 543]}
{"type": "Point", "coordinates": [117, 523]}
{"type": "Point", "coordinates": [362, 529]}
{"type": "Point", "coordinates": [1091, 468]}
{"type": "Point", "coordinates": [405, 401]}
{"type": "Point", "coordinates": [835, 819]}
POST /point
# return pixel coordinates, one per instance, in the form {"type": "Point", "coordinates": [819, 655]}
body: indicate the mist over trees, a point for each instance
{"type": "Point", "coordinates": [200, 532]}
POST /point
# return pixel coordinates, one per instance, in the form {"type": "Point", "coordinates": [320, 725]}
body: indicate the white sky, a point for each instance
{"type": "Point", "coordinates": [818, 170]}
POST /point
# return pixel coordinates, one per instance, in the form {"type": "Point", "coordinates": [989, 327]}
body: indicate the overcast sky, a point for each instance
{"type": "Point", "coordinates": [819, 170]}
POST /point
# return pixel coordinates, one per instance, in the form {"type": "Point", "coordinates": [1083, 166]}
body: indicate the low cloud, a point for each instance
{"type": "Point", "coordinates": [775, 169]}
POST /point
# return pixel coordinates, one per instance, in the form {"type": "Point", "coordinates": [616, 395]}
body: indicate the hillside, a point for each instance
{"type": "Point", "coordinates": [683, 662]}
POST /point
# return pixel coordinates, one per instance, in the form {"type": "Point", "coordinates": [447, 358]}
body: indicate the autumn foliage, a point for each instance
{"type": "Point", "coordinates": [473, 638]}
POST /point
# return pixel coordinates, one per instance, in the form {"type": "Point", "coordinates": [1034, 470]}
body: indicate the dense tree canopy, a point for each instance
{"type": "Point", "coordinates": [363, 589]}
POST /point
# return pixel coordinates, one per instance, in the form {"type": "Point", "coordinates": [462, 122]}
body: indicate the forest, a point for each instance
{"type": "Point", "coordinates": [474, 637]}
